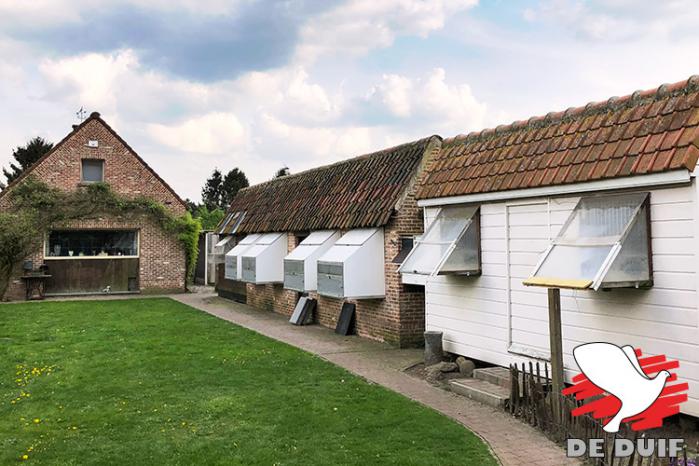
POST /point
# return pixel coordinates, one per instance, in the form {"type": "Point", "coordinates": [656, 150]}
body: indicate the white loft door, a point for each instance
{"type": "Point", "coordinates": [528, 237]}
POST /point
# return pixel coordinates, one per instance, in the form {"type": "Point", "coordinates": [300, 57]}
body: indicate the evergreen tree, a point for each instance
{"type": "Point", "coordinates": [233, 182]}
{"type": "Point", "coordinates": [26, 156]}
{"type": "Point", "coordinates": [212, 191]}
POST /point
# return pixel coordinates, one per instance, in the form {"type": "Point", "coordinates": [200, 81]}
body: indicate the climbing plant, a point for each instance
{"type": "Point", "coordinates": [39, 207]}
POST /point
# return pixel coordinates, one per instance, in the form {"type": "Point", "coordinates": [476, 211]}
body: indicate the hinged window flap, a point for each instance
{"type": "Point", "coordinates": [231, 223]}
{"type": "Point", "coordinates": [223, 242]}
{"type": "Point", "coordinates": [451, 245]}
{"type": "Point", "coordinates": [605, 242]}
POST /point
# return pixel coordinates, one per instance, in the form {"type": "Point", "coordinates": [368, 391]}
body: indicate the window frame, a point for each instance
{"type": "Point", "coordinates": [472, 222]}
{"type": "Point", "coordinates": [46, 247]}
{"type": "Point", "coordinates": [616, 243]}
{"type": "Point", "coordinates": [82, 170]}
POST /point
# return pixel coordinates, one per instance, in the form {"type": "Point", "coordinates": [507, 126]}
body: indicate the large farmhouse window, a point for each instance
{"type": "Point", "coordinates": [605, 243]}
{"type": "Point", "coordinates": [233, 257]}
{"type": "Point", "coordinates": [92, 243]}
{"type": "Point", "coordinates": [451, 245]}
{"type": "Point", "coordinates": [92, 170]}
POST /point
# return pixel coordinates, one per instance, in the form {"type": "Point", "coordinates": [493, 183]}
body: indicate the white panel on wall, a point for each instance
{"type": "Point", "coordinates": [480, 316]}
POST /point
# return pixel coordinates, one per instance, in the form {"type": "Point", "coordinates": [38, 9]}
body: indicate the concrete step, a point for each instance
{"type": "Point", "coordinates": [495, 375]}
{"type": "Point", "coordinates": [479, 390]}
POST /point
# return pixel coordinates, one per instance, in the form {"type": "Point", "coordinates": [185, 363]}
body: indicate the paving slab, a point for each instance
{"type": "Point", "coordinates": [511, 440]}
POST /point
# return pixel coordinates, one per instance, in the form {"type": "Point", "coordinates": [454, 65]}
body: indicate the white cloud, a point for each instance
{"type": "Point", "coordinates": [357, 26]}
{"type": "Point", "coordinates": [617, 20]}
{"type": "Point", "coordinates": [430, 102]}
{"type": "Point", "coordinates": [213, 133]}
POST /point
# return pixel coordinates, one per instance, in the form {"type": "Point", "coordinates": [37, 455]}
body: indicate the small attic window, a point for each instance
{"type": "Point", "coordinates": [451, 245]}
{"type": "Point", "coordinates": [92, 171]}
{"type": "Point", "coordinates": [605, 243]}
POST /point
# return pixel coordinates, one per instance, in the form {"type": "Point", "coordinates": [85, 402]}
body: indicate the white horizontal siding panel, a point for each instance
{"type": "Point", "coordinates": [493, 257]}
{"type": "Point", "coordinates": [672, 229]}
{"type": "Point", "coordinates": [472, 292]}
{"type": "Point", "coordinates": [492, 220]}
{"type": "Point", "coordinates": [645, 312]}
{"type": "Point", "coordinates": [674, 263]}
{"type": "Point", "coordinates": [660, 320]}
{"type": "Point", "coordinates": [469, 327]}
{"type": "Point", "coordinates": [675, 280]}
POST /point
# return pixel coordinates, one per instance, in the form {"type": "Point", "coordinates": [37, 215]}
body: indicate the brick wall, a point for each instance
{"type": "Point", "coordinates": [162, 258]}
{"type": "Point", "coordinates": [399, 318]}
{"type": "Point", "coordinates": [273, 297]}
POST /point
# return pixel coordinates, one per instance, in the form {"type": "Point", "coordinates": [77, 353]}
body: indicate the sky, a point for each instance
{"type": "Point", "coordinates": [194, 85]}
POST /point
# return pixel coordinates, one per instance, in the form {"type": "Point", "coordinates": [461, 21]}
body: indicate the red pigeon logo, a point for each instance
{"type": "Point", "coordinates": [619, 385]}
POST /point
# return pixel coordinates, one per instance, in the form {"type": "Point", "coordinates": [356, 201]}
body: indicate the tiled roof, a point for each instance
{"type": "Point", "coordinates": [645, 132]}
{"type": "Point", "coordinates": [355, 193]}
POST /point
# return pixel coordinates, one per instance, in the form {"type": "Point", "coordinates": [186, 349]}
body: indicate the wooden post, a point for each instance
{"type": "Point", "coordinates": [556, 348]}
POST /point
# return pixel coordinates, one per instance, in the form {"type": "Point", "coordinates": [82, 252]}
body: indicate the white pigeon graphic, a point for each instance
{"type": "Point", "coordinates": [617, 371]}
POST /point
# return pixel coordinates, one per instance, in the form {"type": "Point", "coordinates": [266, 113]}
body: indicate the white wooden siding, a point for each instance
{"type": "Point", "coordinates": [495, 318]}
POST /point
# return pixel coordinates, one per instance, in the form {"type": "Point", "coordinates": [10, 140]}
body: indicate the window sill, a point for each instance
{"type": "Point", "coordinates": [88, 183]}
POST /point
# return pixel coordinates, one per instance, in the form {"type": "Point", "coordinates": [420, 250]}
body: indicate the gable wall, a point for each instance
{"type": "Point", "coordinates": [493, 316]}
{"type": "Point", "coordinates": [125, 174]}
{"type": "Point", "coordinates": [162, 258]}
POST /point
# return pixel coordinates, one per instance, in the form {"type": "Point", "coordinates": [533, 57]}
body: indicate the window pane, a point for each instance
{"type": "Point", "coordinates": [464, 257]}
{"type": "Point", "coordinates": [597, 217]}
{"type": "Point", "coordinates": [92, 170]}
{"type": "Point", "coordinates": [448, 225]}
{"type": "Point", "coordinates": [632, 264]}
{"type": "Point", "coordinates": [574, 262]}
{"type": "Point", "coordinates": [425, 258]}
{"type": "Point", "coordinates": [91, 243]}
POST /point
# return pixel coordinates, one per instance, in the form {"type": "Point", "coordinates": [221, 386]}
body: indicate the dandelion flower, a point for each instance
{"type": "Point", "coordinates": [36, 421]}
{"type": "Point", "coordinates": [25, 457]}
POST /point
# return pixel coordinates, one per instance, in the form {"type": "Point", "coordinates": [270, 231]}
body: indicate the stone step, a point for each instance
{"type": "Point", "coordinates": [495, 375]}
{"type": "Point", "coordinates": [500, 376]}
{"type": "Point", "coordinates": [479, 390]}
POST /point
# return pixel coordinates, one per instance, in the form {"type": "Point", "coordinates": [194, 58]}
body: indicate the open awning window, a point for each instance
{"type": "Point", "coordinates": [451, 245]}
{"type": "Point", "coordinates": [223, 242]}
{"type": "Point", "coordinates": [604, 243]}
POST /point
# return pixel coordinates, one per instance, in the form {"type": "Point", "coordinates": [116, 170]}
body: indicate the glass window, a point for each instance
{"type": "Point", "coordinates": [92, 243]}
{"type": "Point", "coordinates": [92, 170]}
{"type": "Point", "coordinates": [604, 243]}
{"type": "Point", "coordinates": [451, 245]}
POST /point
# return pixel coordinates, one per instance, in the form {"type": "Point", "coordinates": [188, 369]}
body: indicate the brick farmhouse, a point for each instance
{"type": "Point", "coordinates": [369, 195]}
{"type": "Point", "coordinates": [108, 252]}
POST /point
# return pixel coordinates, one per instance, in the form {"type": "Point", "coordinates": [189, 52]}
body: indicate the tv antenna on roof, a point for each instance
{"type": "Point", "coordinates": [81, 114]}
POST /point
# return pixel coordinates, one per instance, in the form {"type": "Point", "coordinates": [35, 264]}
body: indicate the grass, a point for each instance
{"type": "Point", "coordinates": [152, 381]}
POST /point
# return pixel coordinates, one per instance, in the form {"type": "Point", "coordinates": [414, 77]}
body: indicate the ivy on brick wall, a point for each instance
{"type": "Point", "coordinates": [39, 207]}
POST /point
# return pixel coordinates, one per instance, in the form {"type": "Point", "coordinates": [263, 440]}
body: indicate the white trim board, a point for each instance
{"type": "Point", "coordinates": [629, 182]}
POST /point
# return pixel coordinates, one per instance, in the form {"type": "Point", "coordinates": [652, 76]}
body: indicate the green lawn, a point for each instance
{"type": "Point", "coordinates": [153, 381]}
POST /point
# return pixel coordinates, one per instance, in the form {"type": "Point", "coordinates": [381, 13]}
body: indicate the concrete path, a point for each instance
{"type": "Point", "coordinates": [513, 442]}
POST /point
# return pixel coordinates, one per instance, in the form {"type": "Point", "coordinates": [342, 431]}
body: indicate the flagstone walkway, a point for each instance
{"type": "Point", "coordinates": [513, 442]}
